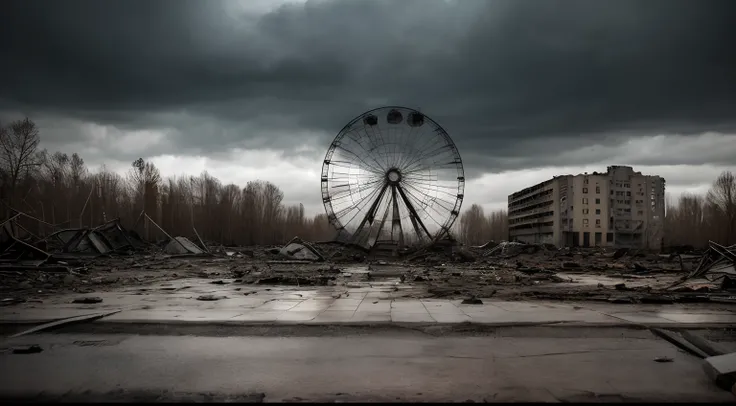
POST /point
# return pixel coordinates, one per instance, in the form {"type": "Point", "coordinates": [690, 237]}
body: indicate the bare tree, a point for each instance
{"type": "Point", "coordinates": [722, 197]}
{"type": "Point", "coordinates": [476, 228]}
{"type": "Point", "coordinates": [18, 153]}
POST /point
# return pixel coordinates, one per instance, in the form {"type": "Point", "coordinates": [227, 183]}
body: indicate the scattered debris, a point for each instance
{"type": "Point", "coordinates": [87, 300]}
{"type": "Point", "coordinates": [722, 370]}
{"type": "Point", "coordinates": [66, 321]}
{"type": "Point", "coordinates": [663, 359]}
{"type": "Point", "coordinates": [679, 341]}
{"type": "Point", "coordinates": [182, 246]}
{"type": "Point", "coordinates": [298, 249]}
{"type": "Point", "coordinates": [716, 263]}
{"type": "Point", "coordinates": [32, 349]}
{"type": "Point", "coordinates": [472, 301]}
{"type": "Point", "coordinates": [211, 298]}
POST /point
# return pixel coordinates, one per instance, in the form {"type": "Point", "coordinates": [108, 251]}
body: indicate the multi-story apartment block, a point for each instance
{"type": "Point", "coordinates": [618, 208]}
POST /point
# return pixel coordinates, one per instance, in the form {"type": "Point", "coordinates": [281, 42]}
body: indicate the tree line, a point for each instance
{"type": "Point", "coordinates": [58, 191]}
{"type": "Point", "coordinates": [695, 219]}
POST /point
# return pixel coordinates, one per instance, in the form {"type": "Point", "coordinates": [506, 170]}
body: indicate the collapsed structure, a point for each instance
{"type": "Point", "coordinates": [617, 208]}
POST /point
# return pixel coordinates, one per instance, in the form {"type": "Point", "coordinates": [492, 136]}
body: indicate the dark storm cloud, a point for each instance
{"type": "Point", "coordinates": [515, 79]}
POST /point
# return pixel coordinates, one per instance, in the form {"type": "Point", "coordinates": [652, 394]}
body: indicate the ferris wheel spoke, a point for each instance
{"type": "Point", "coordinates": [434, 199]}
{"type": "Point", "coordinates": [426, 155]}
{"type": "Point", "coordinates": [415, 219]}
{"type": "Point", "coordinates": [367, 151]}
{"type": "Point", "coordinates": [416, 148]}
{"type": "Point", "coordinates": [425, 210]}
{"type": "Point", "coordinates": [371, 214]}
{"type": "Point", "coordinates": [411, 149]}
{"type": "Point", "coordinates": [344, 194]}
{"type": "Point", "coordinates": [436, 188]}
{"type": "Point", "coordinates": [436, 166]}
{"type": "Point", "coordinates": [381, 140]}
{"type": "Point", "coordinates": [375, 169]}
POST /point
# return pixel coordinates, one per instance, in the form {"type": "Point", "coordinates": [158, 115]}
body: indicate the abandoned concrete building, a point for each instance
{"type": "Point", "coordinates": [617, 208]}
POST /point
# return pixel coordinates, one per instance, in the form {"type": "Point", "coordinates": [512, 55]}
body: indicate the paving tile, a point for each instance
{"type": "Point", "coordinates": [350, 294]}
{"type": "Point", "coordinates": [334, 316]}
{"type": "Point", "coordinates": [371, 316]}
{"type": "Point", "coordinates": [404, 317]}
{"type": "Point", "coordinates": [442, 307]}
{"type": "Point", "coordinates": [278, 305]}
{"type": "Point", "coordinates": [641, 318]}
{"type": "Point", "coordinates": [374, 305]}
{"type": "Point", "coordinates": [698, 318]}
{"type": "Point", "coordinates": [345, 304]}
{"type": "Point", "coordinates": [173, 315]}
{"type": "Point", "coordinates": [528, 306]}
{"type": "Point", "coordinates": [258, 316]}
{"type": "Point", "coordinates": [450, 317]}
{"type": "Point", "coordinates": [379, 295]}
{"type": "Point", "coordinates": [312, 305]}
{"type": "Point", "coordinates": [408, 306]}
{"type": "Point", "coordinates": [481, 309]}
{"type": "Point", "coordinates": [298, 315]}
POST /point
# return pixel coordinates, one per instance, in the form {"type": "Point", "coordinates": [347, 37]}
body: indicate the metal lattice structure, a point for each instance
{"type": "Point", "coordinates": [392, 175]}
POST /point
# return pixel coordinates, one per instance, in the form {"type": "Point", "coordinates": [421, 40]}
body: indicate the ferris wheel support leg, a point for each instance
{"type": "Point", "coordinates": [396, 219]}
{"type": "Point", "coordinates": [371, 215]}
{"type": "Point", "coordinates": [413, 213]}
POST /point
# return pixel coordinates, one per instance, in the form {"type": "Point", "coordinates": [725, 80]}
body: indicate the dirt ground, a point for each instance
{"type": "Point", "coordinates": [525, 273]}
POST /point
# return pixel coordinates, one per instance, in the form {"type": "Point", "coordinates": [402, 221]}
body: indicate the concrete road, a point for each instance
{"type": "Point", "coordinates": [553, 364]}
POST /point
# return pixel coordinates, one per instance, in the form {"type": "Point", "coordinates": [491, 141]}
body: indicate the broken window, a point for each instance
{"type": "Point", "coordinates": [597, 189]}
{"type": "Point", "coordinates": [585, 200]}
{"type": "Point", "coordinates": [585, 211]}
{"type": "Point", "coordinates": [609, 237]}
{"type": "Point", "coordinates": [640, 212]}
{"type": "Point", "coordinates": [598, 223]}
{"type": "Point", "coordinates": [585, 190]}
{"type": "Point", "coordinates": [585, 222]}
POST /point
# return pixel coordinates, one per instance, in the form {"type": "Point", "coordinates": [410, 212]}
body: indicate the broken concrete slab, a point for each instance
{"type": "Point", "coordinates": [182, 245]}
{"type": "Point", "coordinates": [722, 370]}
{"type": "Point", "coordinates": [300, 250]}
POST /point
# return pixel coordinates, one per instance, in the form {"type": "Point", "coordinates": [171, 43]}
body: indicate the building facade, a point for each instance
{"type": "Point", "coordinates": [618, 208]}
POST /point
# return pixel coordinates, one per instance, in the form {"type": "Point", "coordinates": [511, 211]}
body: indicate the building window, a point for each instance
{"type": "Point", "coordinates": [585, 181]}
{"type": "Point", "coordinates": [597, 223]}
{"type": "Point", "coordinates": [597, 211]}
{"type": "Point", "coordinates": [640, 212]}
{"type": "Point", "coordinates": [585, 190]}
{"type": "Point", "coordinates": [585, 200]}
{"type": "Point", "coordinates": [585, 222]}
{"type": "Point", "coordinates": [609, 237]}
{"type": "Point", "coordinates": [585, 211]}
{"type": "Point", "coordinates": [597, 189]}
{"type": "Point", "coordinates": [597, 201]}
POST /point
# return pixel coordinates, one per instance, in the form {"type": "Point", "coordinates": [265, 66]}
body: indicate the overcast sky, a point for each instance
{"type": "Point", "coordinates": [257, 89]}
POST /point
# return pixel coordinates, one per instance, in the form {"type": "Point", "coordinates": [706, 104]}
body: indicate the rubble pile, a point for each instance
{"type": "Point", "coordinates": [85, 260]}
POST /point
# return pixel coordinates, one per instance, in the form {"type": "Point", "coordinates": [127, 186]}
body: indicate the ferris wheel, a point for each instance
{"type": "Point", "coordinates": [392, 174]}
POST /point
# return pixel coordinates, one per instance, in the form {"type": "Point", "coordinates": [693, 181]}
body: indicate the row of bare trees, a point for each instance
{"type": "Point", "coordinates": [474, 227]}
{"type": "Point", "coordinates": [60, 191]}
{"type": "Point", "coordinates": [695, 219]}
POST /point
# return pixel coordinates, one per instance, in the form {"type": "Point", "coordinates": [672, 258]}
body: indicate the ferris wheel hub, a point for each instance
{"type": "Point", "coordinates": [393, 176]}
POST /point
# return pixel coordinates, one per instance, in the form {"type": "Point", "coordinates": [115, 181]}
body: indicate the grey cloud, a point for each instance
{"type": "Point", "coordinates": [514, 79]}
